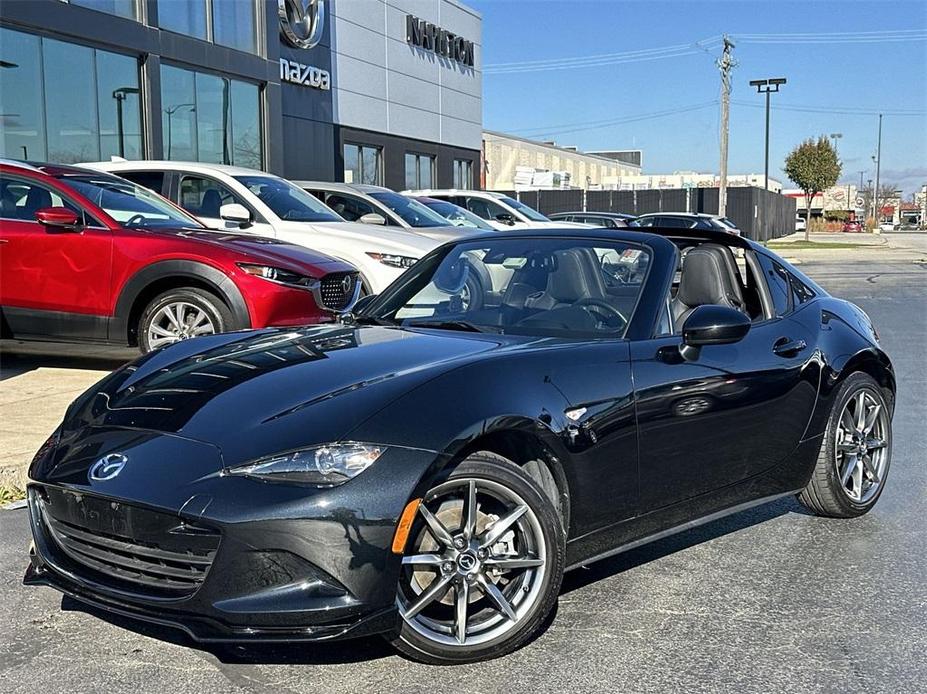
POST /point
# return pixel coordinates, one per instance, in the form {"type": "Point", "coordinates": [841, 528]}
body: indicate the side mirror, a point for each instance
{"type": "Point", "coordinates": [372, 218]}
{"type": "Point", "coordinates": [236, 214]}
{"type": "Point", "coordinates": [712, 324]}
{"type": "Point", "coordinates": [58, 218]}
{"type": "Point", "coordinates": [506, 218]}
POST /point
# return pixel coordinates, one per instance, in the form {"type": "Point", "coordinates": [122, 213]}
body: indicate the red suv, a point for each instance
{"type": "Point", "coordinates": [87, 256]}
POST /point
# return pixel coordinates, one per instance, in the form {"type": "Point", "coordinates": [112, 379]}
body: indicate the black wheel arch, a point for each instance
{"type": "Point", "coordinates": [163, 275]}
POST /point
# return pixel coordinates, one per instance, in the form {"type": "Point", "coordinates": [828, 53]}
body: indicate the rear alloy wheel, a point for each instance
{"type": "Point", "coordinates": [855, 454]}
{"type": "Point", "coordinates": [180, 314]}
{"type": "Point", "coordinates": [482, 566]}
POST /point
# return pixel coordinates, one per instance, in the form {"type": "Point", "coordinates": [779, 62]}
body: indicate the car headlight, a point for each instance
{"type": "Point", "coordinates": [400, 261]}
{"type": "Point", "coordinates": [324, 466]}
{"type": "Point", "coordinates": [276, 274]}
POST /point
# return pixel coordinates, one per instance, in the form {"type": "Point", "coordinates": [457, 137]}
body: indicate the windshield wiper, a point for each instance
{"type": "Point", "coordinates": [373, 320]}
{"type": "Point", "coordinates": [450, 325]}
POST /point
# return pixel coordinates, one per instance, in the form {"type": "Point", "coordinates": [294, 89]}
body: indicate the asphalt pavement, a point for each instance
{"type": "Point", "coordinates": [768, 600]}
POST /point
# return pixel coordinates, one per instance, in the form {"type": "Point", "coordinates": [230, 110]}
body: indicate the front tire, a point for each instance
{"type": "Point", "coordinates": [856, 452]}
{"type": "Point", "coordinates": [179, 314]}
{"type": "Point", "coordinates": [482, 566]}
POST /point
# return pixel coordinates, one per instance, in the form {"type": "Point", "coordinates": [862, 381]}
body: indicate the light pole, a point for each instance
{"type": "Point", "coordinates": [878, 164]}
{"type": "Point", "coordinates": [120, 94]}
{"type": "Point", "coordinates": [835, 137]}
{"type": "Point", "coordinates": [767, 87]}
{"type": "Point", "coordinates": [170, 111]}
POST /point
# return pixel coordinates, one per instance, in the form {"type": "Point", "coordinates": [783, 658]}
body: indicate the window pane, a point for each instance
{"type": "Point", "coordinates": [119, 107]}
{"type": "Point", "coordinates": [351, 163]}
{"type": "Point", "coordinates": [411, 172]}
{"type": "Point", "coordinates": [70, 102]}
{"type": "Point", "coordinates": [425, 167]}
{"type": "Point", "coordinates": [233, 24]}
{"type": "Point", "coordinates": [123, 8]}
{"type": "Point", "coordinates": [183, 16]}
{"type": "Point", "coordinates": [22, 112]}
{"type": "Point", "coordinates": [777, 281]}
{"type": "Point", "coordinates": [152, 180]}
{"type": "Point", "coordinates": [178, 117]}
{"type": "Point", "coordinates": [370, 165]}
{"type": "Point", "coordinates": [246, 125]}
{"type": "Point", "coordinates": [212, 119]}
{"type": "Point", "coordinates": [203, 196]}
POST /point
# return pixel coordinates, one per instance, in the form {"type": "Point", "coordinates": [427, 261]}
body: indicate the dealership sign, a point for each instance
{"type": "Point", "coordinates": [305, 75]}
{"type": "Point", "coordinates": [433, 38]}
{"type": "Point", "coordinates": [302, 21]}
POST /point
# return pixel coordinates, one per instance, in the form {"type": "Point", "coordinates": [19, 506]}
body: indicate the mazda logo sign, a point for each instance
{"type": "Point", "coordinates": [302, 21]}
{"type": "Point", "coordinates": [107, 467]}
{"type": "Point", "coordinates": [346, 283]}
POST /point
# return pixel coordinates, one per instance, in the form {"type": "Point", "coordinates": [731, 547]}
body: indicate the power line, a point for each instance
{"type": "Point", "coordinates": [565, 128]}
{"type": "Point", "coordinates": [882, 36]}
{"type": "Point", "coordinates": [839, 110]}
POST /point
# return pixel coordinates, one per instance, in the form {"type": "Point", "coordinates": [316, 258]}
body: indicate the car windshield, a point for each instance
{"type": "Point", "coordinates": [414, 213]}
{"type": "Point", "coordinates": [558, 287]}
{"type": "Point", "coordinates": [130, 205]}
{"type": "Point", "coordinates": [457, 215]}
{"type": "Point", "coordinates": [521, 207]}
{"type": "Point", "coordinates": [287, 201]}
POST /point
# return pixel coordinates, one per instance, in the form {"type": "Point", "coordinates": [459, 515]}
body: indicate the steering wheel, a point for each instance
{"type": "Point", "coordinates": [606, 310]}
{"type": "Point", "coordinates": [133, 219]}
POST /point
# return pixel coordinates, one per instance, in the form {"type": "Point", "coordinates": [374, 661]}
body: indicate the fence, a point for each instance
{"type": "Point", "coordinates": [761, 215]}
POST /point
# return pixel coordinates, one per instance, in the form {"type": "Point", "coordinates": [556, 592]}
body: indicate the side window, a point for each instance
{"type": "Point", "coordinates": [777, 279]}
{"type": "Point", "coordinates": [152, 180]}
{"type": "Point", "coordinates": [800, 292]}
{"type": "Point", "coordinates": [646, 221]}
{"type": "Point", "coordinates": [21, 198]}
{"type": "Point", "coordinates": [348, 206]}
{"type": "Point", "coordinates": [487, 209]}
{"type": "Point", "coordinates": [204, 196]}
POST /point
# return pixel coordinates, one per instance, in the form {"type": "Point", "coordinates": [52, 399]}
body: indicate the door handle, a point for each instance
{"type": "Point", "coordinates": [785, 347]}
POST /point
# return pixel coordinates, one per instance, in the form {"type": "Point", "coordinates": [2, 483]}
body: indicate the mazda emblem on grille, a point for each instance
{"type": "Point", "coordinates": [346, 284]}
{"type": "Point", "coordinates": [107, 467]}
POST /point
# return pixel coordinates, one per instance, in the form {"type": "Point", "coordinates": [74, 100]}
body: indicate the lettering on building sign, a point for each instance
{"type": "Point", "coordinates": [306, 75]}
{"type": "Point", "coordinates": [443, 42]}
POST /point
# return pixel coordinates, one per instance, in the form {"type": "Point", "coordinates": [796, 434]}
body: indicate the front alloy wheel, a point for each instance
{"type": "Point", "coordinates": [482, 566]}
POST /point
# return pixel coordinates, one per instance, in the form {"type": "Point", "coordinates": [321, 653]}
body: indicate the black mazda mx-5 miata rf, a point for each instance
{"type": "Point", "coordinates": [515, 405]}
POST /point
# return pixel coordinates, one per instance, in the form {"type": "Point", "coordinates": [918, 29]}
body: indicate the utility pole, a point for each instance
{"type": "Point", "coordinates": [878, 211]}
{"type": "Point", "coordinates": [725, 64]}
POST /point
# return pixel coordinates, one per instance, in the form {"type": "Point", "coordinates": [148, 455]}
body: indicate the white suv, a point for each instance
{"type": "Point", "coordinates": [231, 198]}
{"type": "Point", "coordinates": [498, 209]}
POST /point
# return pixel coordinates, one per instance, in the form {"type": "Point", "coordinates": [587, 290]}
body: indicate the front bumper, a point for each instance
{"type": "Point", "coordinates": [292, 563]}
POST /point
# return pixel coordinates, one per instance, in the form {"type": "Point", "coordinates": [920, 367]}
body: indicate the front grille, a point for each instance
{"type": "Point", "coordinates": [124, 546]}
{"type": "Point", "coordinates": [337, 290]}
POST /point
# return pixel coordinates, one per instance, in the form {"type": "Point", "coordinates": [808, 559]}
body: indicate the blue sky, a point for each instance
{"type": "Point", "coordinates": [571, 104]}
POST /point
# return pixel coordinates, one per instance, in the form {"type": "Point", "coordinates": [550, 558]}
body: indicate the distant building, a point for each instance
{"type": "Point", "coordinates": [840, 198]}
{"type": "Point", "coordinates": [515, 163]}
{"type": "Point", "coordinates": [692, 179]}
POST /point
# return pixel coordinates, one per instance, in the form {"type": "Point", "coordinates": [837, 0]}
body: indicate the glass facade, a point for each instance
{"type": "Point", "coordinates": [419, 170]}
{"type": "Point", "coordinates": [363, 164]}
{"type": "Point", "coordinates": [231, 23]}
{"type": "Point", "coordinates": [463, 174]}
{"type": "Point", "coordinates": [121, 8]}
{"type": "Point", "coordinates": [67, 103]}
{"type": "Point", "coordinates": [210, 119]}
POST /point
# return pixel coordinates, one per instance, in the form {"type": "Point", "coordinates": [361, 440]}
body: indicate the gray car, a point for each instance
{"type": "Point", "coordinates": [687, 220]}
{"type": "Point", "coordinates": [381, 206]}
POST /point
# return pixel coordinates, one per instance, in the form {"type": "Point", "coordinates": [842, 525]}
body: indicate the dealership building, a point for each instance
{"type": "Point", "coordinates": [368, 91]}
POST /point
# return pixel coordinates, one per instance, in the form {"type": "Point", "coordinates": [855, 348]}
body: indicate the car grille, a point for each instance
{"type": "Point", "coordinates": [123, 546]}
{"type": "Point", "coordinates": [337, 290]}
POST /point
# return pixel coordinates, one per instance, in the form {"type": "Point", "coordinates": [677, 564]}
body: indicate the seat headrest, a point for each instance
{"type": "Point", "coordinates": [706, 278]}
{"type": "Point", "coordinates": [577, 276]}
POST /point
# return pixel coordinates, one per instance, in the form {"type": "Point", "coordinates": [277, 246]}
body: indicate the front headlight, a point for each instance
{"type": "Point", "coordinates": [400, 261]}
{"type": "Point", "coordinates": [276, 274]}
{"type": "Point", "coordinates": [324, 466]}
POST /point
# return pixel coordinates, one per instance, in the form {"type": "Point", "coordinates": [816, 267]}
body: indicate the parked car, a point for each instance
{"type": "Point", "coordinates": [86, 256]}
{"type": "Point", "coordinates": [231, 198]}
{"type": "Point", "coordinates": [455, 214]}
{"type": "Point", "coordinates": [887, 226]}
{"type": "Point", "coordinates": [852, 226]}
{"type": "Point", "coordinates": [687, 220]}
{"type": "Point", "coordinates": [498, 209]}
{"type": "Point", "coordinates": [609, 220]}
{"type": "Point", "coordinates": [432, 470]}
{"type": "Point", "coordinates": [800, 223]}
{"type": "Point", "coordinates": [381, 206]}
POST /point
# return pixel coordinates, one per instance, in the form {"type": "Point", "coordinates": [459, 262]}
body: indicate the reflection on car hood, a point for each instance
{"type": "Point", "coordinates": [449, 233]}
{"type": "Point", "coordinates": [379, 238]}
{"type": "Point", "coordinates": [293, 387]}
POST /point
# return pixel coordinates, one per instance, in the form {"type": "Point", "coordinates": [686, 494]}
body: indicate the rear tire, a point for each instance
{"type": "Point", "coordinates": [853, 463]}
{"type": "Point", "coordinates": [508, 584]}
{"type": "Point", "coordinates": [180, 314]}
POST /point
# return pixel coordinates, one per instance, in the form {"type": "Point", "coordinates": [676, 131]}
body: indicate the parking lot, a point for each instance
{"type": "Point", "coordinates": [771, 599]}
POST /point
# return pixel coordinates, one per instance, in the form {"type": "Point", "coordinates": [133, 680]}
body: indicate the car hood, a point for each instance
{"type": "Point", "coordinates": [448, 233]}
{"type": "Point", "coordinates": [251, 394]}
{"type": "Point", "coordinates": [258, 249]}
{"type": "Point", "coordinates": [378, 238]}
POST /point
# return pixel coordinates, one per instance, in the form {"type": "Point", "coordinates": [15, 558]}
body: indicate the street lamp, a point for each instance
{"type": "Point", "coordinates": [170, 111]}
{"type": "Point", "coordinates": [835, 137]}
{"type": "Point", "coordinates": [120, 94]}
{"type": "Point", "coordinates": [767, 87]}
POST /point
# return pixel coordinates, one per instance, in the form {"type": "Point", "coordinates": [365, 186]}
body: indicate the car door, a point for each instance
{"type": "Point", "coordinates": [56, 282]}
{"type": "Point", "coordinates": [203, 196]}
{"type": "Point", "coordinates": [732, 413]}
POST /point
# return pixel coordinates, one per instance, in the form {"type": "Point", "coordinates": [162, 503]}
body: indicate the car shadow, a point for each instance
{"type": "Point", "coordinates": [18, 358]}
{"type": "Point", "coordinates": [658, 549]}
